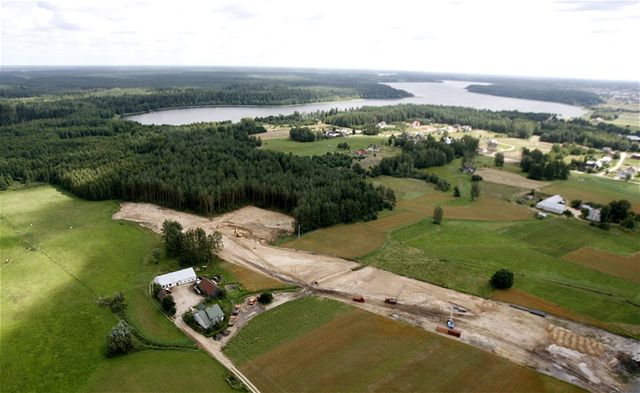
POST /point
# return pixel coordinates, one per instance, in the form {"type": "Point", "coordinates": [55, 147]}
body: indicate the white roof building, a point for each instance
{"type": "Point", "coordinates": [554, 204]}
{"type": "Point", "coordinates": [176, 278]}
{"type": "Point", "coordinates": [593, 215]}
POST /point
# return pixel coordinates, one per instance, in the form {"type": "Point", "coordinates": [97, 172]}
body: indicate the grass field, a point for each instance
{"type": "Point", "coordinates": [323, 146]}
{"type": "Point", "coordinates": [595, 189]}
{"type": "Point", "coordinates": [351, 350]}
{"type": "Point", "coordinates": [59, 254]}
{"type": "Point", "coordinates": [159, 371]}
{"type": "Point", "coordinates": [463, 255]}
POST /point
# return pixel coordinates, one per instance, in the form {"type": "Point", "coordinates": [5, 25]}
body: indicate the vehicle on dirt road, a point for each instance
{"type": "Point", "coordinates": [391, 300]}
{"type": "Point", "coordinates": [358, 299]}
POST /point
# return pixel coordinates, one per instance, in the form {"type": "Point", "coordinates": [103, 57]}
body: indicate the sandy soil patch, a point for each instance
{"type": "Point", "coordinates": [511, 179]}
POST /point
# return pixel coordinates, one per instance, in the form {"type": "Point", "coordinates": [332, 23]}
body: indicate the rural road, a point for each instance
{"type": "Point", "coordinates": [579, 354]}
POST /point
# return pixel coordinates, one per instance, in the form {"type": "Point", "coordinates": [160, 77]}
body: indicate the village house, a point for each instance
{"type": "Point", "coordinates": [606, 160]}
{"type": "Point", "coordinates": [593, 165]}
{"type": "Point", "coordinates": [179, 277]}
{"type": "Point", "coordinates": [382, 124]}
{"type": "Point", "coordinates": [373, 148]}
{"type": "Point", "coordinates": [607, 150]}
{"type": "Point", "coordinates": [492, 144]}
{"type": "Point", "coordinates": [554, 204]}
{"type": "Point", "coordinates": [361, 153]}
{"type": "Point", "coordinates": [592, 214]}
{"type": "Point", "coordinates": [627, 172]}
{"type": "Point", "coordinates": [209, 317]}
{"type": "Point", "coordinates": [466, 128]}
{"type": "Point", "coordinates": [415, 124]}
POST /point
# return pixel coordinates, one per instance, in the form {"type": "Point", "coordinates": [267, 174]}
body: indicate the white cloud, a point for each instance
{"type": "Point", "coordinates": [592, 39]}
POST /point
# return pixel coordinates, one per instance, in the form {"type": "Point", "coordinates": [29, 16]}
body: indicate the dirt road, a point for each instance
{"type": "Point", "coordinates": [579, 354]}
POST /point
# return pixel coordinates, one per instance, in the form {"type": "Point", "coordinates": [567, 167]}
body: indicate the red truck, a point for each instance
{"type": "Point", "coordinates": [358, 299]}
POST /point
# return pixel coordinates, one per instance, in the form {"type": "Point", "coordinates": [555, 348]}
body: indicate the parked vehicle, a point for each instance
{"type": "Point", "coordinates": [358, 299]}
{"type": "Point", "coordinates": [391, 300]}
{"type": "Point", "coordinates": [236, 309]}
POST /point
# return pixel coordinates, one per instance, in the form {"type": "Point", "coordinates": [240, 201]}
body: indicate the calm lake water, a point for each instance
{"type": "Point", "coordinates": [447, 93]}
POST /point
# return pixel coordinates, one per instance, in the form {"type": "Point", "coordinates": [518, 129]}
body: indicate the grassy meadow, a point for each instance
{"type": "Point", "coordinates": [336, 347]}
{"type": "Point", "coordinates": [59, 255]}
{"type": "Point", "coordinates": [565, 265]}
{"type": "Point", "coordinates": [323, 146]}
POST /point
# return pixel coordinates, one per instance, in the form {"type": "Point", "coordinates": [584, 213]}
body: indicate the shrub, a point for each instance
{"type": "Point", "coordinates": [169, 305]}
{"type": "Point", "coordinates": [344, 146]}
{"type": "Point", "coordinates": [156, 255]}
{"type": "Point", "coordinates": [437, 215]}
{"type": "Point", "coordinates": [476, 178]}
{"type": "Point", "coordinates": [502, 279]}
{"type": "Point", "coordinates": [499, 160]}
{"type": "Point", "coordinates": [576, 203]}
{"type": "Point", "coordinates": [456, 191]}
{"type": "Point", "coordinates": [475, 190]}
{"type": "Point", "coordinates": [265, 298]}
{"type": "Point", "coordinates": [120, 339]}
{"type": "Point", "coordinates": [628, 223]}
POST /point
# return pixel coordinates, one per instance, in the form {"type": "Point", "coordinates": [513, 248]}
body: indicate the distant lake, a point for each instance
{"type": "Point", "coordinates": [446, 93]}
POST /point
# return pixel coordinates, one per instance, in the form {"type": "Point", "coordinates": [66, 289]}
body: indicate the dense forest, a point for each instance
{"type": "Point", "coordinates": [208, 168]}
{"type": "Point", "coordinates": [539, 92]}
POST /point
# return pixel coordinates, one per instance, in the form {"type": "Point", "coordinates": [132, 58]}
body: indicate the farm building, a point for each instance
{"type": "Point", "coordinates": [209, 316]}
{"type": "Point", "coordinates": [208, 287]}
{"type": "Point", "coordinates": [492, 144]}
{"type": "Point", "coordinates": [382, 124]}
{"type": "Point", "coordinates": [361, 153]}
{"type": "Point", "coordinates": [607, 150]}
{"type": "Point", "coordinates": [593, 214]}
{"type": "Point", "coordinates": [554, 204]}
{"type": "Point", "coordinates": [373, 148]}
{"type": "Point", "coordinates": [179, 277]}
{"type": "Point", "coordinates": [415, 124]}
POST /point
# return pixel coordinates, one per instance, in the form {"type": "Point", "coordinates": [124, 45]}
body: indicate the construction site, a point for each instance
{"type": "Point", "coordinates": [577, 353]}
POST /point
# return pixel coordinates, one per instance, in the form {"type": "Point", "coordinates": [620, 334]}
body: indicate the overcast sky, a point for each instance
{"type": "Point", "coordinates": [564, 38]}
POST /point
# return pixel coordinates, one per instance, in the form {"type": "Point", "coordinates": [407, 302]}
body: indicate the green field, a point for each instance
{"type": "Point", "coordinates": [337, 348]}
{"type": "Point", "coordinates": [322, 146]}
{"type": "Point", "coordinates": [595, 189]}
{"type": "Point", "coordinates": [59, 254]}
{"type": "Point", "coordinates": [463, 255]}
{"type": "Point", "coordinates": [159, 371]}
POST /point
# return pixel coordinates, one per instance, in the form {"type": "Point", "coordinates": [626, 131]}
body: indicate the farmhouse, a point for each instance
{"type": "Point", "coordinates": [633, 138]}
{"type": "Point", "coordinates": [554, 204]}
{"type": "Point", "coordinates": [382, 124]}
{"type": "Point", "coordinates": [591, 164]}
{"type": "Point", "coordinates": [607, 150]}
{"type": "Point", "coordinates": [209, 316]}
{"type": "Point", "coordinates": [606, 160]}
{"type": "Point", "coordinates": [592, 214]}
{"type": "Point", "coordinates": [373, 148]}
{"type": "Point", "coordinates": [492, 144]}
{"type": "Point", "coordinates": [208, 287]}
{"type": "Point", "coordinates": [361, 153]}
{"type": "Point", "coordinates": [172, 279]}
{"type": "Point", "coordinates": [466, 128]}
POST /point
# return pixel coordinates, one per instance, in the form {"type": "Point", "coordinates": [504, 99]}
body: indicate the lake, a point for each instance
{"type": "Point", "coordinates": [446, 93]}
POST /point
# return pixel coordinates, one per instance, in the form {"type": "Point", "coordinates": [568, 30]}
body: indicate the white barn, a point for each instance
{"type": "Point", "coordinates": [554, 204]}
{"type": "Point", "coordinates": [176, 278]}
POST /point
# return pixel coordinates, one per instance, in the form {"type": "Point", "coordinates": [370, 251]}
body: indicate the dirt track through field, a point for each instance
{"type": "Point", "coordinates": [579, 354]}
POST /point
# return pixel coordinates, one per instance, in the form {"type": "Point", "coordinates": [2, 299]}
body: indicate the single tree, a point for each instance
{"type": "Point", "coordinates": [120, 339]}
{"type": "Point", "coordinates": [438, 213]}
{"type": "Point", "coordinates": [502, 279]}
{"type": "Point", "coordinates": [475, 190]}
{"type": "Point", "coordinates": [265, 298]}
{"type": "Point", "coordinates": [198, 247]}
{"type": "Point", "coordinates": [576, 203]}
{"type": "Point", "coordinates": [498, 160]}
{"type": "Point", "coordinates": [172, 234]}
{"type": "Point", "coordinates": [169, 305]}
{"type": "Point", "coordinates": [456, 191]}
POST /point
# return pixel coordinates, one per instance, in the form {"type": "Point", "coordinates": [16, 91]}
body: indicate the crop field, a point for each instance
{"type": "Point", "coordinates": [627, 267]}
{"type": "Point", "coordinates": [463, 255]}
{"type": "Point", "coordinates": [595, 189]}
{"type": "Point", "coordinates": [503, 177]}
{"type": "Point", "coordinates": [323, 146]}
{"type": "Point", "coordinates": [59, 254]}
{"type": "Point", "coordinates": [354, 350]}
{"type": "Point", "coordinates": [251, 281]}
{"type": "Point", "coordinates": [159, 371]}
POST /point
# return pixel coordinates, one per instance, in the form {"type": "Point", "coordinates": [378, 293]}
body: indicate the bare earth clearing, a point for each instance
{"type": "Point", "coordinates": [575, 353]}
{"type": "Point", "coordinates": [510, 179]}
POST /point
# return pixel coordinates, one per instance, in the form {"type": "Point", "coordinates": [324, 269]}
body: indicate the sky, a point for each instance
{"type": "Point", "coordinates": [591, 39]}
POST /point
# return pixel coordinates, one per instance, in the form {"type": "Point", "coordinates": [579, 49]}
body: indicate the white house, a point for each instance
{"type": "Point", "coordinates": [606, 160]}
{"type": "Point", "coordinates": [554, 204]}
{"type": "Point", "coordinates": [179, 277]}
{"type": "Point", "coordinates": [593, 214]}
